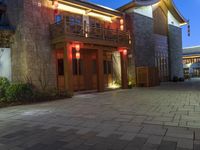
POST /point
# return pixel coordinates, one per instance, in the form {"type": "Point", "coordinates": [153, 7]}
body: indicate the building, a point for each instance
{"type": "Point", "coordinates": [191, 61]}
{"type": "Point", "coordinates": [75, 45]}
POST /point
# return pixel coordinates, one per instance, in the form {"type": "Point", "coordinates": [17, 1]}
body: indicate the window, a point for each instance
{"type": "Point", "coordinates": [94, 63]}
{"type": "Point", "coordinates": [60, 67]}
{"type": "Point", "coordinates": [77, 69]}
{"type": "Point", "coordinates": [107, 67]}
{"type": "Point", "coordinates": [58, 18]}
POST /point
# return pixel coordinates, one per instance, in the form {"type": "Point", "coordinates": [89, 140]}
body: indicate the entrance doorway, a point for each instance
{"type": "Point", "coordinates": [85, 70]}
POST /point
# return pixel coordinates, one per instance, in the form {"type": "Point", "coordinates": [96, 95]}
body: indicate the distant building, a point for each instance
{"type": "Point", "coordinates": [76, 45]}
{"type": "Point", "coordinates": [191, 61]}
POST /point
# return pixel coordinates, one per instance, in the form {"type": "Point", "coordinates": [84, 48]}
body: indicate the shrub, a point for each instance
{"type": "Point", "coordinates": [175, 79]}
{"type": "Point", "coordinates": [16, 92]}
{"type": "Point", "coordinates": [181, 79]}
{"type": "Point", "coordinates": [4, 84]}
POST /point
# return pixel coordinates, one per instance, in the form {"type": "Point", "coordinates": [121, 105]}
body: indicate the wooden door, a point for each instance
{"type": "Point", "coordinates": [86, 76]}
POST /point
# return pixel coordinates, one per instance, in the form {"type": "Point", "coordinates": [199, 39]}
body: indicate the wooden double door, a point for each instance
{"type": "Point", "coordinates": [85, 70]}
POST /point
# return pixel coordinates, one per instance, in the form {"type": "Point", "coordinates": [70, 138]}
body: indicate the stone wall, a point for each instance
{"type": "Point", "coordinates": [162, 56]}
{"type": "Point", "coordinates": [32, 55]}
{"type": "Point", "coordinates": [143, 40]}
{"type": "Point", "coordinates": [175, 51]}
{"type": "Point", "coordinates": [18, 53]}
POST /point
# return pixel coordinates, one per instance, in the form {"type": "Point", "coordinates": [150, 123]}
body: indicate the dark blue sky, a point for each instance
{"type": "Point", "coordinates": [190, 9]}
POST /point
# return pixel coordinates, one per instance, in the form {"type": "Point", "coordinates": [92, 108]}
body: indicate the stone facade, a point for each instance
{"type": "Point", "coordinates": [175, 51]}
{"type": "Point", "coordinates": [143, 40]}
{"type": "Point", "coordinates": [32, 58]}
{"type": "Point", "coordinates": [154, 50]}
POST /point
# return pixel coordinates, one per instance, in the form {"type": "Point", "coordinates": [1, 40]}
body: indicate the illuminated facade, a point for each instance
{"type": "Point", "coordinates": [75, 45]}
{"type": "Point", "coordinates": [191, 61]}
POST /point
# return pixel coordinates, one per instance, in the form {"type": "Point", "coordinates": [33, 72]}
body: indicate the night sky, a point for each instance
{"type": "Point", "coordinates": [190, 9]}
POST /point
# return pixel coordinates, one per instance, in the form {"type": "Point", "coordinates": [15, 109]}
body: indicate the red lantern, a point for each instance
{"type": "Point", "coordinates": [125, 52]}
{"type": "Point", "coordinates": [78, 55]}
{"type": "Point", "coordinates": [122, 27]}
{"type": "Point", "coordinates": [77, 47]}
{"type": "Point", "coordinates": [56, 4]}
{"type": "Point", "coordinates": [121, 21]}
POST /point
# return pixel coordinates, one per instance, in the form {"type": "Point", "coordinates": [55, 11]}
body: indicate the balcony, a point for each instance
{"type": "Point", "coordinates": [71, 31]}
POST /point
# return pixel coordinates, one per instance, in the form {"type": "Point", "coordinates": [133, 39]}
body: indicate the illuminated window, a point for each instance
{"type": "Point", "coordinates": [58, 18]}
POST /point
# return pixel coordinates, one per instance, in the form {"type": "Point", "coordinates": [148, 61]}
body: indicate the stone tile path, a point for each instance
{"type": "Point", "coordinates": [159, 118]}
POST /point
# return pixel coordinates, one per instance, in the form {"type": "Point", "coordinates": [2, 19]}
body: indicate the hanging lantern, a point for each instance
{"type": "Point", "coordinates": [189, 32]}
{"type": "Point", "coordinates": [77, 47]}
{"type": "Point", "coordinates": [122, 27]}
{"type": "Point", "coordinates": [55, 5]}
{"type": "Point", "coordinates": [78, 55]}
{"type": "Point", "coordinates": [125, 52]}
{"type": "Point", "coordinates": [121, 21]}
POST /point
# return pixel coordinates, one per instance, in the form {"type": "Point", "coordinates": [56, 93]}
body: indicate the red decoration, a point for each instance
{"type": "Point", "coordinates": [125, 52]}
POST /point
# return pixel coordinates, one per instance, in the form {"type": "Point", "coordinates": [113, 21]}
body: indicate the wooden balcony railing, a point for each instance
{"type": "Point", "coordinates": [73, 29]}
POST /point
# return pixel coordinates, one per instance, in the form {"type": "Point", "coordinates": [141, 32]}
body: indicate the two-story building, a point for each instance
{"type": "Point", "coordinates": [75, 45]}
{"type": "Point", "coordinates": [191, 61]}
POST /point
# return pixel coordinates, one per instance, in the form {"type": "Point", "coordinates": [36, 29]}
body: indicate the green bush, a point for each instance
{"type": "Point", "coordinates": [4, 84]}
{"type": "Point", "coordinates": [19, 92]}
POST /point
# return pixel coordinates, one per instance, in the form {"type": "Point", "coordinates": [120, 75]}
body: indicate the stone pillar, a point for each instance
{"type": "Point", "coordinates": [100, 73]}
{"type": "Point", "coordinates": [68, 68]}
{"type": "Point", "coordinates": [124, 73]}
{"type": "Point", "coordinates": [175, 52]}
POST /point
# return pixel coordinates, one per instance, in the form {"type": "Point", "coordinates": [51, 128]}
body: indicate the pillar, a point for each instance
{"type": "Point", "coordinates": [100, 73]}
{"type": "Point", "coordinates": [124, 73]}
{"type": "Point", "coordinates": [68, 69]}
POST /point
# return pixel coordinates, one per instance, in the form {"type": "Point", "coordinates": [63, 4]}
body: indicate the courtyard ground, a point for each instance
{"type": "Point", "coordinates": [159, 118]}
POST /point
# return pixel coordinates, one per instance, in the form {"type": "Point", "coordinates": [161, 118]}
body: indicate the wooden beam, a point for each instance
{"type": "Point", "coordinates": [100, 73]}
{"type": "Point", "coordinates": [68, 69]}
{"type": "Point", "coordinates": [124, 68]}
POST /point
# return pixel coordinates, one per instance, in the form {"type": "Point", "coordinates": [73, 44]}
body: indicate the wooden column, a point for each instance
{"type": "Point", "coordinates": [100, 73]}
{"type": "Point", "coordinates": [124, 68]}
{"type": "Point", "coordinates": [68, 69]}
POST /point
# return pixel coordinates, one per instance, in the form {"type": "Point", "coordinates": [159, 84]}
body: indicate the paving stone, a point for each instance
{"type": "Point", "coordinates": [153, 130]}
{"type": "Point", "coordinates": [136, 143]}
{"type": "Point", "coordinates": [180, 133]}
{"type": "Point", "coordinates": [167, 145]}
{"type": "Point", "coordinates": [185, 143]}
{"type": "Point", "coordinates": [196, 146]}
{"type": "Point", "coordinates": [128, 136]}
{"type": "Point", "coordinates": [130, 129]}
{"type": "Point", "coordinates": [154, 139]}
{"type": "Point", "coordinates": [101, 121]}
{"type": "Point", "coordinates": [150, 147]}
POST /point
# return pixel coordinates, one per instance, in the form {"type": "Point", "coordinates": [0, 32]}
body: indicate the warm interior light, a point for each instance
{"type": "Point", "coordinates": [71, 9]}
{"type": "Point", "coordinates": [113, 86]}
{"type": "Point", "coordinates": [106, 18]}
{"type": "Point", "coordinates": [83, 12]}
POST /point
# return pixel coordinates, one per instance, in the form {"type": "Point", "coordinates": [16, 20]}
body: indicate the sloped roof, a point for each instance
{"type": "Point", "coordinates": [191, 50]}
{"type": "Point", "coordinates": [169, 3]}
{"type": "Point", "coordinates": [93, 6]}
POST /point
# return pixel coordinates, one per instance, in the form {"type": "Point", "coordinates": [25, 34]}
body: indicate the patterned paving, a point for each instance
{"type": "Point", "coordinates": [159, 118]}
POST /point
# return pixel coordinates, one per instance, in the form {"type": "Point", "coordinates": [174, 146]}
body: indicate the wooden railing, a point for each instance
{"type": "Point", "coordinates": [88, 31]}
